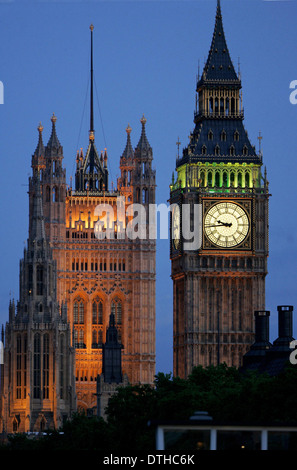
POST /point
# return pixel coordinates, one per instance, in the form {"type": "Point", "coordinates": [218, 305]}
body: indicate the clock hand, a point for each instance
{"type": "Point", "coordinates": [217, 225]}
{"type": "Point", "coordinates": [221, 224]}
{"type": "Point", "coordinates": [226, 224]}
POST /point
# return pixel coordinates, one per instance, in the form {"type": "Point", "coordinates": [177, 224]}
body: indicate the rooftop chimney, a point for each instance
{"type": "Point", "coordinates": [285, 328]}
{"type": "Point", "coordinates": [259, 348]}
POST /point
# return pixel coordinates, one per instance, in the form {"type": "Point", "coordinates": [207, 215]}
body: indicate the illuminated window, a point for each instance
{"type": "Point", "coordinates": [94, 338]}
{"type": "Point", "coordinates": [78, 311]}
{"type": "Point", "coordinates": [76, 338]}
{"type": "Point", "coordinates": [97, 312]}
{"type": "Point", "coordinates": [217, 179]}
{"type": "Point", "coordinates": [248, 179]}
{"type": "Point", "coordinates": [97, 338]}
{"type": "Point", "coordinates": [116, 309]}
{"type": "Point", "coordinates": [239, 179]}
{"type": "Point", "coordinates": [232, 178]}
{"type": "Point", "coordinates": [209, 178]}
{"type": "Point", "coordinates": [75, 312]}
{"type": "Point", "coordinates": [225, 179]}
{"type": "Point", "coordinates": [202, 178]}
{"type": "Point", "coordinates": [81, 312]}
{"type": "Point", "coordinates": [81, 336]}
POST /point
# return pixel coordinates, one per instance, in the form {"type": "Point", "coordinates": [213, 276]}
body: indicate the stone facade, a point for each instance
{"type": "Point", "coordinates": [38, 386]}
{"type": "Point", "coordinates": [85, 277]}
{"type": "Point", "coordinates": [97, 277]}
{"type": "Point", "coordinates": [219, 284]}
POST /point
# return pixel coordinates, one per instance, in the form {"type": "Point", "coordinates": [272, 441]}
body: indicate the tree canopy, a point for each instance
{"type": "Point", "coordinates": [224, 392]}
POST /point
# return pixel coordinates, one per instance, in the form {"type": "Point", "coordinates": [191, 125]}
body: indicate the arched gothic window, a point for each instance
{"type": "Point", "coordinates": [78, 311]}
{"type": "Point", "coordinates": [116, 309]}
{"type": "Point", "coordinates": [97, 312]}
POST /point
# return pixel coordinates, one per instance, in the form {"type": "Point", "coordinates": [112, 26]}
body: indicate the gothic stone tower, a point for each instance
{"type": "Point", "coordinates": [39, 386]}
{"type": "Point", "coordinates": [219, 284]}
{"type": "Point", "coordinates": [102, 276]}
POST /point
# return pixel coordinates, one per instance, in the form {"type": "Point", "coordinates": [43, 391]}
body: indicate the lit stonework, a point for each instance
{"type": "Point", "coordinates": [98, 277]}
{"type": "Point", "coordinates": [90, 279]}
{"type": "Point", "coordinates": [37, 381]}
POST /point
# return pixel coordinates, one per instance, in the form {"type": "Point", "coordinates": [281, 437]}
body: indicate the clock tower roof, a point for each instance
{"type": "Point", "coordinates": [218, 67]}
{"type": "Point", "coordinates": [219, 135]}
{"type": "Point", "coordinates": [214, 140]}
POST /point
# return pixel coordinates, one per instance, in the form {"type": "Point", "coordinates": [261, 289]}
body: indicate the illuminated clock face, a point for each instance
{"type": "Point", "coordinates": [175, 226]}
{"type": "Point", "coordinates": [226, 224]}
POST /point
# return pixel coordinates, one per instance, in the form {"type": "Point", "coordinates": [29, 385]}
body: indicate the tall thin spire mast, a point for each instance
{"type": "Point", "coordinates": [91, 96]}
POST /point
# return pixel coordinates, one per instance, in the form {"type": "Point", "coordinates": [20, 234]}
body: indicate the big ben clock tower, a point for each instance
{"type": "Point", "coordinates": [219, 283]}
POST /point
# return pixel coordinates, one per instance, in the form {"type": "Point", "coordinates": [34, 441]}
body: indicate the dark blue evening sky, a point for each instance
{"type": "Point", "coordinates": [146, 56]}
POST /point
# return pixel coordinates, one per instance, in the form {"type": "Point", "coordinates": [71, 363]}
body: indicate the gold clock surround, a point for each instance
{"type": "Point", "coordinates": [227, 224]}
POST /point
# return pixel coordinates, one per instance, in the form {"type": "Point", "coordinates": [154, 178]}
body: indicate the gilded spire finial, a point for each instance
{"type": "Point", "coordinates": [128, 129]}
{"type": "Point", "coordinates": [260, 139]}
{"type": "Point", "coordinates": [54, 118]}
{"type": "Point", "coordinates": [40, 128]}
{"type": "Point", "coordinates": [91, 27]}
{"type": "Point", "coordinates": [143, 120]}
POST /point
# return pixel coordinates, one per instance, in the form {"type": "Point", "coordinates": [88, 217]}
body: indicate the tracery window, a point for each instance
{"type": "Point", "coordinates": [78, 311]}
{"type": "Point", "coordinates": [116, 309]}
{"type": "Point", "coordinates": [97, 312]}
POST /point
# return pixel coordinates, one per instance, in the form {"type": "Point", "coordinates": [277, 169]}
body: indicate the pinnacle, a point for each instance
{"type": "Point", "coordinates": [143, 143]}
{"type": "Point", "coordinates": [219, 66]}
{"type": "Point", "coordinates": [40, 147]}
{"type": "Point", "coordinates": [128, 152]}
{"type": "Point", "coordinates": [53, 140]}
